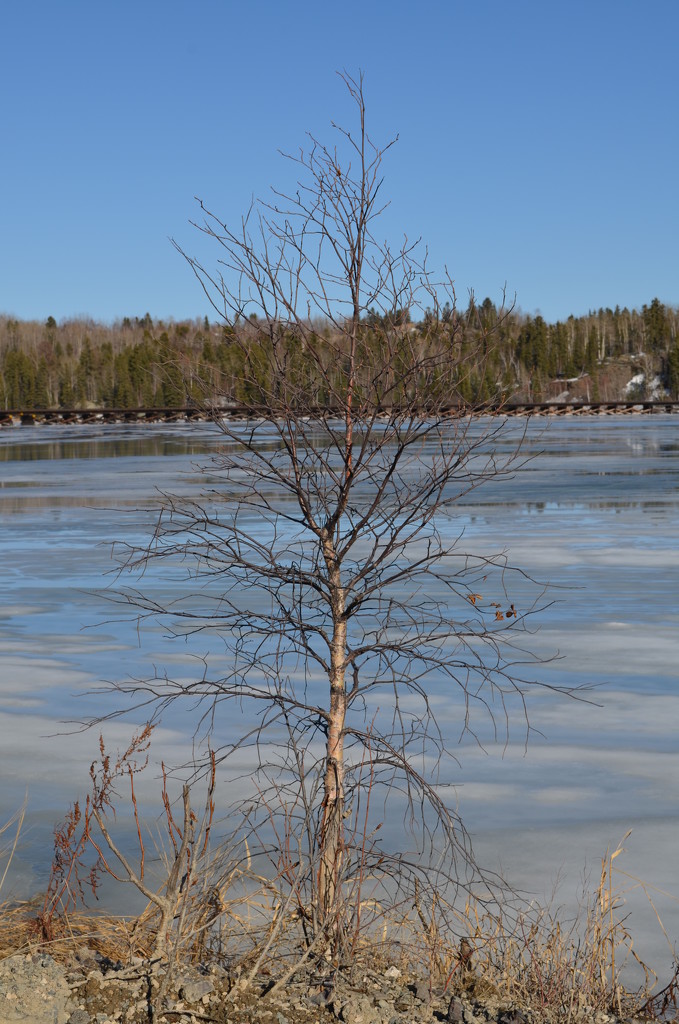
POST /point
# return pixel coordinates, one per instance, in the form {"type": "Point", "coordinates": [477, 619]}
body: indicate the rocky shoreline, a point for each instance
{"type": "Point", "coordinates": [91, 989]}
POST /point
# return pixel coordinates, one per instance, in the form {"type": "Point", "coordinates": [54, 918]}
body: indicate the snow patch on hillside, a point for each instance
{"type": "Point", "coordinates": [654, 387]}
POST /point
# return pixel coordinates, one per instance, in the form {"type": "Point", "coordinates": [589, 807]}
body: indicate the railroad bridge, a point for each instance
{"type": "Point", "coordinates": [193, 414]}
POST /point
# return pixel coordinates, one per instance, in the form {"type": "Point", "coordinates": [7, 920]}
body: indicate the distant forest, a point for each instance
{"type": "Point", "coordinates": [504, 355]}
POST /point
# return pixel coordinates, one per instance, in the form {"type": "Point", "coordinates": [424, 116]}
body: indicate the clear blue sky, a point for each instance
{"type": "Point", "coordinates": [539, 140]}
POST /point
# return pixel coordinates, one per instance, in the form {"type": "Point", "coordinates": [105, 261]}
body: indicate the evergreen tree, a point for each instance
{"type": "Point", "coordinates": [19, 376]}
{"type": "Point", "coordinates": [673, 372]}
{"type": "Point", "coordinates": [656, 326]}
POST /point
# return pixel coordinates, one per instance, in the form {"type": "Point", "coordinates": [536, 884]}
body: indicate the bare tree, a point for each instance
{"type": "Point", "coordinates": [328, 556]}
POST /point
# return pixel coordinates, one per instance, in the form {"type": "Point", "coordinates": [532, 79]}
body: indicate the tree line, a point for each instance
{"type": "Point", "coordinates": [138, 362]}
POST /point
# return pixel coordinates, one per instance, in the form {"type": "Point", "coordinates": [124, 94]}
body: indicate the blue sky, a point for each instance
{"type": "Point", "coordinates": [538, 141]}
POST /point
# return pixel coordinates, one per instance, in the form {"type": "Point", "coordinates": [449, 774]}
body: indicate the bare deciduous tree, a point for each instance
{"type": "Point", "coordinates": [328, 556]}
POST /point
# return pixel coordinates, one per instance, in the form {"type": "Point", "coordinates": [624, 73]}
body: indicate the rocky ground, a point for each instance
{"type": "Point", "coordinates": [92, 990]}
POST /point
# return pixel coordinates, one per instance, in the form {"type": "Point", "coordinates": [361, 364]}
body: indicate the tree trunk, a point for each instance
{"type": "Point", "coordinates": [331, 832]}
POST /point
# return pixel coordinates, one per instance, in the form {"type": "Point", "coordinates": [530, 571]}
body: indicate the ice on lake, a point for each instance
{"type": "Point", "coordinates": [594, 512]}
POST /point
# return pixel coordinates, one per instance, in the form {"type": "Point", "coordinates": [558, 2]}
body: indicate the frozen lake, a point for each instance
{"type": "Point", "coordinates": [595, 514]}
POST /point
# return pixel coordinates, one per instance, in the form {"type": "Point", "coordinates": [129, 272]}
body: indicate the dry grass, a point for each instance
{"type": "Point", "coordinates": [531, 958]}
{"type": "Point", "coordinates": [9, 842]}
{"type": "Point", "coordinates": [560, 967]}
{"type": "Point", "coordinates": [104, 933]}
{"type": "Point", "coordinates": [564, 969]}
